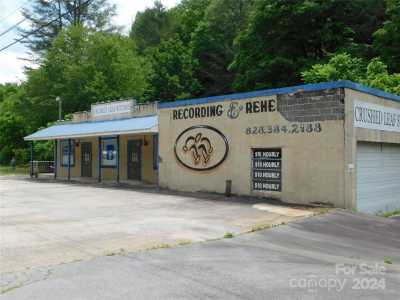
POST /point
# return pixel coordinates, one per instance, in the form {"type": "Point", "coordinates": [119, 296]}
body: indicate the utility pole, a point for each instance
{"type": "Point", "coordinates": [58, 99]}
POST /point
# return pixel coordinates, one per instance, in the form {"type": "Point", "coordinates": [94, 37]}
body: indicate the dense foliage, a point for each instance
{"type": "Point", "coordinates": [197, 48]}
{"type": "Point", "coordinates": [343, 66]}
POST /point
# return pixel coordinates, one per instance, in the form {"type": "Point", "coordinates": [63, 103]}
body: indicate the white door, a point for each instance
{"type": "Point", "coordinates": [378, 177]}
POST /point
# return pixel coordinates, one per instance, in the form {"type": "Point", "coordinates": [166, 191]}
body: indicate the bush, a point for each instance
{"type": "Point", "coordinates": [5, 155]}
{"type": "Point", "coordinates": [22, 156]}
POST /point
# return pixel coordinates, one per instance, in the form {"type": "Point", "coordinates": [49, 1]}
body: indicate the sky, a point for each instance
{"type": "Point", "coordinates": [12, 60]}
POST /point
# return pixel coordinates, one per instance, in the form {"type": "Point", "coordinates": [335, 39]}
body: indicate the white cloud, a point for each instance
{"type": "Point", "coordinates": [11, 66]}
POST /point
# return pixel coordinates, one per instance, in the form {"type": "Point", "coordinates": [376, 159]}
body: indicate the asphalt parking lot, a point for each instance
{"type": "Point", "coordinates": [48, 223]}
{"type": "Point", "coordinates": [338, 255]}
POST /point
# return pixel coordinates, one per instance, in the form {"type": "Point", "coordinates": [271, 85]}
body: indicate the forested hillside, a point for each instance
{"type": "Point", "coordinates": [198, 48]}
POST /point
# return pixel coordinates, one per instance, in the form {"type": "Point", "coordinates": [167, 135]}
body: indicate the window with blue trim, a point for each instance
{"type": "Point", "coordinates": [109, 153]}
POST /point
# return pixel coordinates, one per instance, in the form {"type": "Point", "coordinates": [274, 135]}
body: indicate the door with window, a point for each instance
{"type": "Point", "coordinates": [86, 161]}
{"type": "Point", "coordinates": [134, 160]}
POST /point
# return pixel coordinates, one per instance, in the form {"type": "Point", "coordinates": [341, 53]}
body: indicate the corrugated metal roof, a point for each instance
{"type": "Point", "coordinates": [99, 128]}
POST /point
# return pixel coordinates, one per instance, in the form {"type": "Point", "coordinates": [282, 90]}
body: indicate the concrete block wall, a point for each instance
{"type": "Point", "coordinates": [312, 106]}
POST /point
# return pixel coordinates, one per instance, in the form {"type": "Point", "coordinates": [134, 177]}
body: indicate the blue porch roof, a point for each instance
{"type": "Point", "coordinates": [97, 128]}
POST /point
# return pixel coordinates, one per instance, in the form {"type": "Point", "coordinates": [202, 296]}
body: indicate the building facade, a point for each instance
{"type": "Point", "coordinates": [115, 142]}
{"type": "Point", "coordinates": [332, 143]}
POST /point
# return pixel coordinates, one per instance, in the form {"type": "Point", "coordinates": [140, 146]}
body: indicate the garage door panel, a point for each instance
{"type": "Point", "coordinates": [369, 147]}
{"type": "Point", "coordinates": [372, 174]}
{"type": "Point", "coordinates": [378, 177]}
{"type": "Point", "coordinates": [368, 178]}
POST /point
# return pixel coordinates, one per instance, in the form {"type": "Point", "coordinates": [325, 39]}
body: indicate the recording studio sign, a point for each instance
{"type": "Point", "coordinates": [197, 112]}
{"type": "Point", "coordinates": [232, 111]}
{"type": "Point", "coordinates": [267, 170]}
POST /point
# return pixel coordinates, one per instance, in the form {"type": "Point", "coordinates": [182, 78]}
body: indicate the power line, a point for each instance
{"type": "Point", "coordinates": [41, 27]}
{"type": "Point", "coordinates": [11, 13]}
{"type": "Point", "coordinates": [12, 27]}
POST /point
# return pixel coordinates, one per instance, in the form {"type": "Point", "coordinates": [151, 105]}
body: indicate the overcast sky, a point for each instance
{"type": "Point", "coordinates": [11, 65]}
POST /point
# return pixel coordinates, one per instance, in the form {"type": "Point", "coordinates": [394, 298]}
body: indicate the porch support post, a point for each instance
{"type": "Point", "coordinates": [118, 158]}
{"type": "Point", "coordinates": [55, 158]}
{"type": "Point", "coordinates": [69, 159]}
{"type": "Point", "coordinates": [32, 158]}
{"type": "Point", "coordinates": [157, 158]}
{"type": "Point", "coordinates": [99, 160]}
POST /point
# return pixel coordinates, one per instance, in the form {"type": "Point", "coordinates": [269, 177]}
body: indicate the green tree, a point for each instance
{"type": "Point", "coordinates": [48, 18]}
{"type": "Point", "coordinates": [345, 67]}
{"type": "Point", "coordinates": [341, 66]}
{"type": "Point", "coordinates": [212, 43]}
{"type": "Point", "coordinates": [365, 17]}
{"type": "Point", "coordinates": [387, 38]}
{"type": "Point", "coordinates": [188, 14]}
{"type": "Point", "coordinates": [83, 67]}
{"type": "Point", "coordinates": [379, 77]}
{"type": "Point", "coordinates": [284, 37]}
{"type": "Point", "coordinates": [172, 75]}
{"type": "Point", "coordinates": [152, 26]}
{"type": "Point", "coordinates": [12, 124]}
{"type": "Point", "coordinates": [7, 89]}
{"type": "Point", "coordinates": [163, 37]}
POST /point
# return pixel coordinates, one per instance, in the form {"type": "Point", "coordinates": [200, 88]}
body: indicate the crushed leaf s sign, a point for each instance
{"type": "Point", "coordinates": [201, 148]}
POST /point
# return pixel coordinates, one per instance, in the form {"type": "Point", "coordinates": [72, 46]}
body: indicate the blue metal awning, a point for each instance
{"type": "Point", "coordinates": [148, 124]}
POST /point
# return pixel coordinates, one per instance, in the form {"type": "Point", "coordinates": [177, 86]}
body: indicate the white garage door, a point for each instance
{"type": "Point", "coordinates": [378, 177]}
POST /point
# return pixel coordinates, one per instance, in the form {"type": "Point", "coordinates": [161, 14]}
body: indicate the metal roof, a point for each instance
{"type": "Point", "coordinates": [97, 128]}
{"type": "Point", "coordinates": [285, 90]}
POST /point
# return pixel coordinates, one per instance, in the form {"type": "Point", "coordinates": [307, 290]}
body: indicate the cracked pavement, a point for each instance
{"type": "Point", "coordinates": [278, 263]}
{"type": "Point", "coordinates": [46, 223]}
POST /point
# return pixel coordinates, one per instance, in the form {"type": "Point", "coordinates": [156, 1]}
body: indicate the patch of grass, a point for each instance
{"type": "Point", "coordinates": [7, 170]}
{"type": "Point", "coordinates": [391, 213]}
{"type": "Point", "coordinates": [159, 246]}
{"type": "Point", "coordinates": [184, 242]}
{"type": "Point", "coordinates": [117, 252]}
{"type": "Point", "coordinates": [228, 235]}
{"type": "Point", "coordinates": [9, 289]}
{"type": "Point", "coordinates": [323, 210]}
{"type": "Point", "coordinates": [166, 246]}
{"type": "Point", "coordinates": [265, 226]}
{"type": "Point", "coordinates": [387, 260]}
{"type": "Point", "coordinates": [260, 227]}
